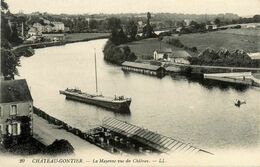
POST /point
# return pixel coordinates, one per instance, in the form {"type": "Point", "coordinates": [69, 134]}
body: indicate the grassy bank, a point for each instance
{"type": "Point", "coordinates": [144, 49]}
{"type": "Point", "coordinates": [231, 39]}
{"type": "Point", "coordinates": [78, 37]}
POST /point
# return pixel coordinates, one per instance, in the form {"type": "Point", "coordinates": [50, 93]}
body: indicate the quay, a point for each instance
{"type": "Point", "coordinates": [119, 137]}
{"type": "Point", "coordinates": [143, 68]}
{"type": "Point", "coordinates": [215, 69]}
{"type": "Point", "coordinates": [245, 78]}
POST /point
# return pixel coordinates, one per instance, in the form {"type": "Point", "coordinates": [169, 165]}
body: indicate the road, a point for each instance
{"type": "Point", "coordinates": [47, 133]}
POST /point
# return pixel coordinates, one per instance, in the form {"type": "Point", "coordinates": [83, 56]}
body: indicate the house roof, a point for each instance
{"type": "Point", "coordinates": [14, 91]}
{"type": "Point", "coordinates": [180, 54]}
{"type": "Point", "coordinates": [56, 22]}
{"type": "Point", "coordinates": [141, 65]}
{"type": "Point", "coordinates": [32, 29]}
{"type": "Point", "coordinates": [37, 24]}
{"type": "Point", "coordinates": [164, 50]}
{"type": "Point", "coordinates": [172, 69]}
{"type": "Point", "coordinates": [156, 141]}
{"type": "Point", "coordinates": [254, 55]}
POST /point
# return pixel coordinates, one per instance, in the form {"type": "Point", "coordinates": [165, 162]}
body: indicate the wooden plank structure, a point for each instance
{"type": "Point", "coordinates": [156, 141]}
{"type": "Point", "coordinates": [245, 78]}
{"type": "Point", "coordinates": [143, 68]}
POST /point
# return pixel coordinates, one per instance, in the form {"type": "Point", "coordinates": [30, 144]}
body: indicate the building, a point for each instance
{"type": "Point", "coordinates": [39, 27]}
{"type": "Point", "coordinates": [172, 69]}
{"type": "Point", "coordinates": [16, 111]}
{"type": "Point", "coordinates": [48, 28]}
{"type": "Point", "coordinates": [46, 21]}
{"type": "Point", "coordinates": [54, 37]}
{"type": "Point", "coordinates": [180, 56]}
{"type": "Point", "coordinates": [162, 54]}
{"type": "Point", "coordinates": [58, 26]}
{"type": "Point", "coordinates": [254, 56]}
{"type": "Point", "coordinates": [143, 68]}
{"type": "Point", "coordinates": [66, 29]}
{"type": "Point", "coordinates": [187, 22]}
{"type": "Point", "coordinates": [212, 27]}
{"type": "Point", "coordinates": [33, 31]}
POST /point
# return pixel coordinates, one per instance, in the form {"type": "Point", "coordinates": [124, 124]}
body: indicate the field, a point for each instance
{"type": "Point", "coordinates": [76, 37]}
{"type": "Point", "coordinates": [144, 49]}
{"type": "Point", "coordinates": [245, 39]}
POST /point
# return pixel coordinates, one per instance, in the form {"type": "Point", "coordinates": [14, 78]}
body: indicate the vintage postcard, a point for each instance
{"type": "Point", "coordinates": [130, 83]}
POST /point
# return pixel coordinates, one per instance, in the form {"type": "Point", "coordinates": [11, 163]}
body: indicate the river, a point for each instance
{"type": "Point", "coordinates": [190, 111]}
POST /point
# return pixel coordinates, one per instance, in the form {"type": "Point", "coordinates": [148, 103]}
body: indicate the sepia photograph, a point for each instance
{"type": "Point", "coordinates": [129, 83]}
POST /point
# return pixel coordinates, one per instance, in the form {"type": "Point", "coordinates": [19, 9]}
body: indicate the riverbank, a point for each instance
{"type": "Point", "coordinates": [27, 49]}
{"type": "Point", "coordinates": [47, 133]}
{"type": "Point", "coordinates": [81, 37]}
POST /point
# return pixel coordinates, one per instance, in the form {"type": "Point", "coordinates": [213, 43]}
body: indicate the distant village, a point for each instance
{"type": "Point", "coordinates": [39, 27]}
{"type": "Point", "coordinates": [49, 31]}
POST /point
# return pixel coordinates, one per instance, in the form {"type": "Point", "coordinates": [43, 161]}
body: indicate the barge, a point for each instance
{"type": "Point", "coordinates": [117, 103]}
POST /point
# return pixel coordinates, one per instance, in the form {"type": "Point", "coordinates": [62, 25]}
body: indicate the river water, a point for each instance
{"type": "Point", "coordinates": [191, 111]}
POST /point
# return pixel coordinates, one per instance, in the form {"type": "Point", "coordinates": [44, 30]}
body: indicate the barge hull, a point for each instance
{"type": "Point", "coordinates": [118, 107]}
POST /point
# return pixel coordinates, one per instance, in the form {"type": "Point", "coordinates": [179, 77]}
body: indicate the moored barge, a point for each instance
{"type": "Point", "coordinates": [117, 103]}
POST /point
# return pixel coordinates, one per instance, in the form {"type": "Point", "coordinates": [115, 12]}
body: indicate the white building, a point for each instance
{"type": "Point", "coordinates": [39, 27]}
{"type": "Point", "coordinates": [58, 26]}
{"type": "Point", "coordinates": [33, 31]}
{"type": "Point", "coordinates": [48, 28]}
{"type": "Point", "coordinates": [162, 54]}
{"type": "Point", "coordinates": [211, 27]}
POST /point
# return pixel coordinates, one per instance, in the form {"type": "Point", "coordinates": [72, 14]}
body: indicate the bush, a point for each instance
{"type": "Point", "coordinates": [116, 54]}
{"type": "Point", "coordinates": [224, 57]}
{"type": "Point", "coordinates": [59, 147]}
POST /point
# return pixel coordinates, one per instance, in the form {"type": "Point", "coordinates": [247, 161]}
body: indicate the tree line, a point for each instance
{"type": "Point", "coordinates": [9, 37]}
{"type": "Point", "coordinates": [224, 57]}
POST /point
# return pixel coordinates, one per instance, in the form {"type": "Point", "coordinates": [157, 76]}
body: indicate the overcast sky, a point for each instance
{"type": "Point", "coordinates": [240, 7]}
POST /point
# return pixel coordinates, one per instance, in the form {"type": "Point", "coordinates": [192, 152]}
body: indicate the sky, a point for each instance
{"type": "Point", "coordinates": [240, 7]}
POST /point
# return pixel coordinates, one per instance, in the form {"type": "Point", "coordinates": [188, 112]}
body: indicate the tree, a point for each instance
{"type": "Point", "coordinates": [217, 21]}
{"type": "Point", "coordinates": [118, 36]}
{"type": "Point", "coordinates": [93, 24]}
{"type": "Point", "coordinates": [9, 62]}
{"type": "Point", "coordinates": [131, 29]}
{"type": "Point", "coordinates": [114, 23]}
{"type": "Point", "coordinates": [4, 5]}
{"type": "Point", "coordinates": [256, 18]}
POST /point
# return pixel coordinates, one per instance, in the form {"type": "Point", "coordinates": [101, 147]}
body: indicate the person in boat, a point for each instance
{"type": "Point", "coordinates": [239, 102]}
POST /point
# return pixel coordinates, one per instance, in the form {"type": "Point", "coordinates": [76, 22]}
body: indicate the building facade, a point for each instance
{"type": "Point", "coordinates": [16, 111]}
{"type": "Point", "coordinates": [58, 26]}
{"type": "Point", "coordinates": [162, 54]}
{"type": "Point", "coordinates": [39, 27]}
